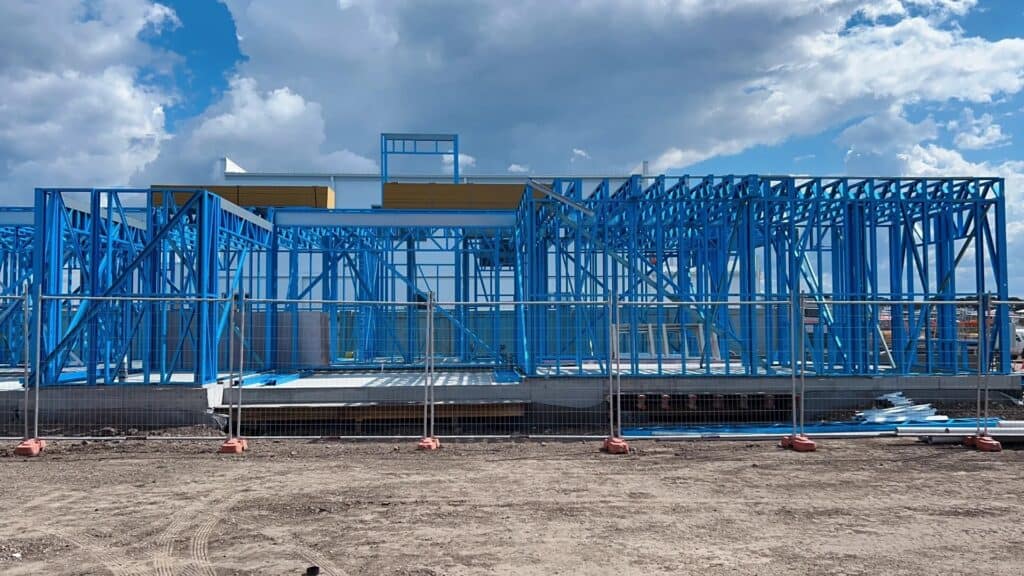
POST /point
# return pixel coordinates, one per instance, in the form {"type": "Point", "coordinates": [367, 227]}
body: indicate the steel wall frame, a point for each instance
{"type": "Point", "coordinates": [17, 235]}
{"type": "Point", "coordinates": [385, 263]}
{"type": "Point", "coordinates": [117, 267]}
{"type": "Point", "coordinates": [679, 250]}
{"type": "Point", "coordinates": [775, 238]}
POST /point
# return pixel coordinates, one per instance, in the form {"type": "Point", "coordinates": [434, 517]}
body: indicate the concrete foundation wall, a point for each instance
{"type": "Point", "coordinates": [86, 410]}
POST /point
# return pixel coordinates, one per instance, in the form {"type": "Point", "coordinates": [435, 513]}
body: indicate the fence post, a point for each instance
{"type": "Point", "coordinates": [25, 360]}
{"type": "Point", "coordinates": [38, 360]}
{"type": "Point", "coordinates": [802, 336]}
{"type": "Point", "coordinates": [235, 444]}
{"type": "Point", "coordinates": [618, 364]}
{"type": "Point", "coordinates": [981, 440]}
{"type": "Point", "coordinates": [430, 358]}
{"type": "Point", "coordinates": [426, 380]}
{"type": "Point", "coordinates": [429, 441]}
{"type": "Point", "coordinates": [612, 340]}
{"type": "Point", "coordinates": [33, 445]}
{"type": "Point", "coordinates": [231, 368]}
{"type": "Point", "coordinates": [797, 441]}
{"type": "Point", "coordinates": [983, 361]}
{"type": "Point", "coordinates": [241, 362]}
{"type": "Point", "coordinates": [796, 313]}
{"type": "Point", "coordinates": [614, 443]}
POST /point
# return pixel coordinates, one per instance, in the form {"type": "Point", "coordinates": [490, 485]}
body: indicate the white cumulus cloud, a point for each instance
{"type": "Point", "coordinates": [72, 109]}
{"type": "Point", "coordinates": [977, 133]}
{"type": "Point", "coordinates": [263, 130]}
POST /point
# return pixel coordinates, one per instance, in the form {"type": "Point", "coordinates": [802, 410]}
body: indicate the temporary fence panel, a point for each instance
{"type": "Point", "coordinates": [317, 368]}
{"type": "Point", "coordinates": [484, 388]}
{"type": "Point", "coordinates": [868, 366]}
{"type": "Point", "coordinates": [193, 367]}
{"type": "Point", "coordinates": [700, 369]}
{"type": "Point", "coordinates": [16, 402]}
{"type": "Point", "coordinates": [130, 366]}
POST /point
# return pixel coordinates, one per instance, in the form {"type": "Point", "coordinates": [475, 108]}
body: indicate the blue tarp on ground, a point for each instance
{"type": "Point", "coordinates": [269, 378]}
{"type": "Point", "coordinates": [849, 427]}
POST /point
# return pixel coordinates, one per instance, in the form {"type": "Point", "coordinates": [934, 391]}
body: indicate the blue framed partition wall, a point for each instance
{"type": "Point", "coordinates": [135, 283]}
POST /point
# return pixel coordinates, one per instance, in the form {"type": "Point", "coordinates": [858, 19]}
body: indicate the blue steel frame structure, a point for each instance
{"type": "Point", "coordinates": [17, 235]}
{"type": "Point", "coordinates": [873, 243]}
{"type": "Point", "coordinates": [734, 255]}
{"type": "Point", "coordinates": [137, 281]}
{"type": "Point", "coordinates": [370, 272]}
{"type": "Point", "coordinates": [408, 144]}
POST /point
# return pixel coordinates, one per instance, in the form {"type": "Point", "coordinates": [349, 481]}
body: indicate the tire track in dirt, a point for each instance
{"type": "Point", "coordinates": [200, 546]}
{"type": "Point", "coordinates": [308, 554]}
{"type": "Point", "coordinates": [164, 542]}
{"type": "Point", "coordinates": [163, 558]}
{"type": "Point", "coordinates": [111, 561]}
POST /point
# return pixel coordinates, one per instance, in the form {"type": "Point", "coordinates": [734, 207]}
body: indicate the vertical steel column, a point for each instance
{"type": "Point", "coordinates": [329, 264]}
{"type": "Point", "coordinates": [92, 288]}
{"type": "Point", "coordinates": [411, 297]}
{"type": "Point", "coordinates": [999, 263]}
{"type": "Point", "coordinates": [271, 327]}
{"type": "Point", "coordinates": [748, 276]}
{"type": "Point", "coordinates": [897, 262]}
{"type": "Point", "coordinates": [207, 272]}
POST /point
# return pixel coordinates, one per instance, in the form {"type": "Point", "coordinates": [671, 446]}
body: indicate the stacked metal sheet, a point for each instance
{"type": "Point", "coordinates": [901, 410]}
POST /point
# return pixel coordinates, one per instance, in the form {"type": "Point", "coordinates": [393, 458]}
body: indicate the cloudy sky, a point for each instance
{"type": "Point", "coordinates": [115, 92]}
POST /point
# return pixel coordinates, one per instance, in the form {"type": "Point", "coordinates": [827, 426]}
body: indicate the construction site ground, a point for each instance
{"type": "Point", "coordinates": [882, 506]}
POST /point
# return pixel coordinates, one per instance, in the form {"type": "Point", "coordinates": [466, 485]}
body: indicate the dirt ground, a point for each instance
{"type": "Point", "coordinates": [854, 507]}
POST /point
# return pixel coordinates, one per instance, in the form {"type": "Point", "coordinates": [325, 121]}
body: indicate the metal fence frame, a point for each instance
{"type": "Point", "coordinates": [240, 307]}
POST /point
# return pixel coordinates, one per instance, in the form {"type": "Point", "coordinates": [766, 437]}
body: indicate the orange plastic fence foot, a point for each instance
{"type": "Point", "coordinates": [615, 445]}
{"type": "Point", "coordinates": [798, 443]}
{"type": "Point", "coordinates": [983, 443]}
{"type": "Point", "coordinates": [429, 443]}
{"type": "Point", "coordinates": [30, 447]}
{"type": "Point", "coordinates": [233, 446]}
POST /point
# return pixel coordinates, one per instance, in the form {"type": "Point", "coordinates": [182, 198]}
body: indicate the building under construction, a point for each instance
{"type": "Point", "coordinates": [519, 294]}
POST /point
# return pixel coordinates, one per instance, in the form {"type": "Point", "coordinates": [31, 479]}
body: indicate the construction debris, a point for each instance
{"type": "Point", "coordinates": [899, 409]}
